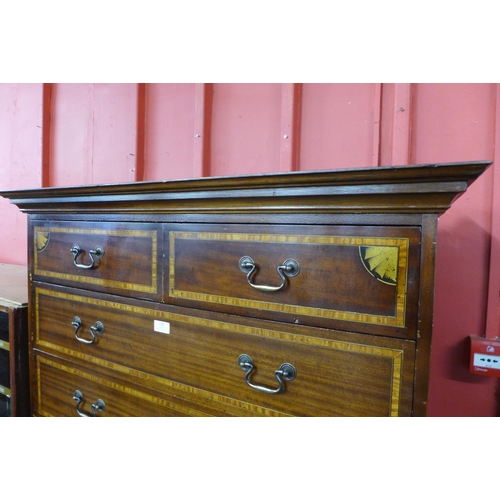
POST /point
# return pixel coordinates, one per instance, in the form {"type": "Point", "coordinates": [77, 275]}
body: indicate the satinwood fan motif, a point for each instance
{"type": "Point", "coordinates": [381, 262]}
{"type": "Point", "coordinates": [42, 240]}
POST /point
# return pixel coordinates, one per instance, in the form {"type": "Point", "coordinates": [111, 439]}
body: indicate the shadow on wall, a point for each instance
{"type": "Point", "coordinates": [460, 307]}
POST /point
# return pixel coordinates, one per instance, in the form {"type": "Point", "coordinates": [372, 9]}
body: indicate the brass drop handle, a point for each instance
{"type": "Point", "coordinates": [96, 253]}
{"type": "Point", "coordinates": [99, 405]}
{"type": "Point", "coordinates": [98, 328]}
{"type": "Point", "coordinates": [285, 372]}
{"type": "Point", "coordinates": [288, 269]}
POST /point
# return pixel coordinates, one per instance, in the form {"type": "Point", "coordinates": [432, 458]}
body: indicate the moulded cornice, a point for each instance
{"type": "Point", "coordinates": [427, 188]}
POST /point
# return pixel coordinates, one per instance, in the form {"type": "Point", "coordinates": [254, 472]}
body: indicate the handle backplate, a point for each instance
{"type": "Point", "coordinates": [289, 269]}
{"type": "Point", "coordinates": [95, 254]}
{"type": "Point", "coordinates": [97, 328]}
{"type": "Point", "coordinates": [285, 372]}
{"type": "Point", "coordinates": [99, 405]}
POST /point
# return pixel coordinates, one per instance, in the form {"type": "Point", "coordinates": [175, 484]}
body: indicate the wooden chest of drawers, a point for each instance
{"type": "Point", "coordinates": [305, 294]}
{"type": "Point", "coordinates": [14, 374]}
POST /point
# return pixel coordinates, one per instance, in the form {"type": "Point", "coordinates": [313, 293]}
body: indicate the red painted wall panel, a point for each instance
{"type": "Point", "coordinates": [20, 161]}
{"type": "Point", "coordinates": [339, 126]}
{"type": "Point", "coordinates": [396, 122]}
{"type": "Point", "coordinates": [93, 136]}
{"type": "Point", "coordinates": [114, 132]}
{"type": "Point", "coordinates": [245, 130]}
{"type": "Point", "coordinates": [71, 135]}
{"type": "Point", "coordinates": [169, 131]}
{"type": "Point", "coordinates": [452, 122]}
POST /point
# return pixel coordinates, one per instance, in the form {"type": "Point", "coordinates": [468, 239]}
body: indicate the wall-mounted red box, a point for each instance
{"type": "Point", "coordinates": [485, 356]}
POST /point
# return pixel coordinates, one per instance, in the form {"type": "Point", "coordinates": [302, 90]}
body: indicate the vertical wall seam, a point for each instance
{"type": "Point", "coordinates": [402, 123]}
{"type": "Point", "coordinates": [396, 124]}
{"type": "Point", "coordinates": [411, 118]}
{"type": "Point", "coordinates": [199, 110]}
{"type": "Point", "coordinates": [207, 129]}
{"type": "Point", "coordinates": [90, 175]}
{"type": "Point", "coordinates": [46, 134]}
{"type": "Point", "coordinates": [386, 123]}
{"type": "Point", "coordinates": [140, 133]}
{"type": "Point", "coordinates": [377, 129]}
{"type": "Point", "coordinates": [291, 97]}
{"type": "Point", "coordinates": [492, 329]}
{"type": "Point", "coordinates": [297, 122]}
{"type": "Point", "coordinates": [202, 129]}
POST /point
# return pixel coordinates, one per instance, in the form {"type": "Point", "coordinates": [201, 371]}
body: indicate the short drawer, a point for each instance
{"type": "Point", "coordinates": [198, 354]}
{"type": "Point", "coordinates": [361, 278]}
{"type": "Point", "coordinates": [122, 259]}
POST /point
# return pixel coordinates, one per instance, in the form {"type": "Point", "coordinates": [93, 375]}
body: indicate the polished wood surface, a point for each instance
{"type": "Point", "coordinates": [335, 285]}
{"type": "Point", "coordinates": [201, 350]}
{"type": "Point", "coordinates": [129, 263]}
{"type": "Point", "coordinates": [58, 381]}
{"type": "Point", "coordinates": [169, 309]}
{"type": "Point", "coordinates": [429, 188]}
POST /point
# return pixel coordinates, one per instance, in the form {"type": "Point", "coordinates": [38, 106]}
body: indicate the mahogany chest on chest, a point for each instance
{"type": "Point", "coordinates": [306, 294]}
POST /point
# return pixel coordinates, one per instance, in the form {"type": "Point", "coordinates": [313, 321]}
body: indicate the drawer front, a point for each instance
{"type": "Point", "coordinates": [355, 278]}
{"type": "Point", "coordinates": [4, 368]}
{"type": "Point", "coordinates": [4, 327]}
{"type": "Point", "coordinates": [123, 259]}
{"type": "Point", "coordinates": [58, 381]}
{"type": "Point", "coordinates": [196, 354]}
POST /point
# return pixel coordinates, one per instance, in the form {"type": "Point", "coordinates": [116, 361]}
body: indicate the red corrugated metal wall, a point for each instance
{"type": "Point", "coordinates": [71, 134]}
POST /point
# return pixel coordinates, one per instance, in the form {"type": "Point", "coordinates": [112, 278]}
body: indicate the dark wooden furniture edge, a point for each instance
{"type": "Point", "coordinates": [429, 188]}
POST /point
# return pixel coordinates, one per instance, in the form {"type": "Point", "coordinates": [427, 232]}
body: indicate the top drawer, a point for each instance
{"type": "Point", "coordinates": [121, 259]}
{"type": "Point", "coordinates": [360, 278]}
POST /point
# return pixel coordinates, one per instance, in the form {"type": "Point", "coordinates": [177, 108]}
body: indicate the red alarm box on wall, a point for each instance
{"type": "Point", "coordinates": [485, 356]}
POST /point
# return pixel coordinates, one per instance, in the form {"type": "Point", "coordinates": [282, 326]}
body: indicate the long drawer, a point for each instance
{"type": "Point", "coordinates": [68, 390]}
{"type": "Point", "coordinates": [123, 259]}
{"type": "Point", "coordinates": [199, 353]}
{"type": "Point", "coordinates": [360, 278]}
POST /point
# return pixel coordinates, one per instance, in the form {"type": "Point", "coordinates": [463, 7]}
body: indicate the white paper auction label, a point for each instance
{"type": "Point", "coordinates": [162, 327]}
